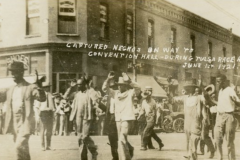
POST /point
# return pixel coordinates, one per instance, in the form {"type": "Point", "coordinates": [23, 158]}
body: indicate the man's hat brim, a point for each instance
{"type": "Point", "coordinates": [191, 85]}
{"type": "Point", "coordinates": [122, 83]}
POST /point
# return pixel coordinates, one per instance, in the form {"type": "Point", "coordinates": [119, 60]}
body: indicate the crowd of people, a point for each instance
{"type": "Point", "coordinates": [120, 108]}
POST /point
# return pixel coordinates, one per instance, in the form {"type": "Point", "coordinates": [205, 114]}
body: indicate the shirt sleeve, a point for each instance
{"type": "Point", "coordinates": [3, 95]}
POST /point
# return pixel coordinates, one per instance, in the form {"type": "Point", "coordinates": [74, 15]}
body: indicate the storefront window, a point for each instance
{"type": "Point", "coordinates": [67, 62]}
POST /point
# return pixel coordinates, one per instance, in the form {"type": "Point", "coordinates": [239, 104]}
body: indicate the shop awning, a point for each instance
{"type": "Point", "coordinates": [164, 81]}
{"type": "Point", "coordinates": [8, 82]}
{"type": "Point", "coordinates": [144, 80]}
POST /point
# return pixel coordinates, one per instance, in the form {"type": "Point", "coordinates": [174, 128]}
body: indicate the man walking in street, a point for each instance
{"type": "Point", "coordinates": [110, 123]}
{"type": "Point", "coordinates": [45, 111]}
{"type": "Point", "coordinates": [124, 110]}
{"type": "Point", "coordinates": [225, 121]}
{"type": "Point", "coordinates": [19, 113]}
{"type": "Point", "coordinates": [194, 118]}
{"type": "Point", "coordinates": [81, 103]}
{"type": "Point", "coordinates": [149, 109]}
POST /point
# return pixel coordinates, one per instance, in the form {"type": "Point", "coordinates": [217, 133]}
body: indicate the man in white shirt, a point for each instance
{"type": "Point", "coordinates": [124, 110]}
{"type": "Point", "coordinates": [225, 122]}
{"type": "Point", "coordinates": [45, 111]}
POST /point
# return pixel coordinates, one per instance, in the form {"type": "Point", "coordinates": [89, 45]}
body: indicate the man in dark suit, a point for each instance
{"type": "Point", "coordinates": [19, 113]}
{"type": "Point", "coordinates": [81, 107]}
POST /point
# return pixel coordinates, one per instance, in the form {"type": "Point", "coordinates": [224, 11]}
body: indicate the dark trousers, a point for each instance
{"type": "Point", "coordinates": [206, 139]}
{"type": "Point", "coordinates": [85, 142]}
{"type": "Point", "coordinates": [46, 126]}
{"type": "Point", "coordinates": [148, 133]}
{"type": "Point", "coordinates": [113, 138]}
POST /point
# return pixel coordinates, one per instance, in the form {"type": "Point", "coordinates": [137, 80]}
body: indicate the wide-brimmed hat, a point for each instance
{"type": "Point", "coordinates": [57, 95]}
{"type": "Point", "coordinates": [148, 88]}
{"type": "Point", "coordinates": [191, 83]}
{"type": "Point", "coordinates": [210, 87]}
{"type": "Point", "coordinates": [122, 82]}
{"type": "Point", "coordinates": [143, 93]}
{"type": "Point", "coordinates": [46, 85]}
{"type": "Point", "coordinates": [16, 66]}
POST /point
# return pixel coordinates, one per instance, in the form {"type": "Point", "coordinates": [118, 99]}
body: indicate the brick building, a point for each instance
{"type": "Point", "coordinates": [48, 34]}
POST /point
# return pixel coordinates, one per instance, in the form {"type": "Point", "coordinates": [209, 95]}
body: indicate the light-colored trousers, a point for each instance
{"type": "Point", "coordinates": [126, 150]}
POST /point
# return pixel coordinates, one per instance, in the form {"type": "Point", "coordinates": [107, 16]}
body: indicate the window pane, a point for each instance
{"type": "Point", "coordinates": [103, 21]}
{"type": "Point", "coordinates": [150, 27]}
{"type": "Point", "coordinates": [129, 37]}
{"type": "Point", "coordinates": [33, 25]}
{"type": "Point", "coordinates": [67, 24]}
{"type": "Point", "coordinates": [102, 30]}
{"type": "Point", "coordinates": [210, 49]}
{"type": "Point", "coordinates": [38, 62]}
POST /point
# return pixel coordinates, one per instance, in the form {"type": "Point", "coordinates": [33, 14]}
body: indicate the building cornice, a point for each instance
{"type": "Point", "coordinates": [178, 15]}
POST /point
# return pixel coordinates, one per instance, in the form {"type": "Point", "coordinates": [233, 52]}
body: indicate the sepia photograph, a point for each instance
{"type": "Point", "coordinates": [119, 79]}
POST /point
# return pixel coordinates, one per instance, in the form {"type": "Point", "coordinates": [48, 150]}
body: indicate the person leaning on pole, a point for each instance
{"type": "Point", "coordinates": [19, 113]}
{"type": "Point", "coordinates": [124, 110]}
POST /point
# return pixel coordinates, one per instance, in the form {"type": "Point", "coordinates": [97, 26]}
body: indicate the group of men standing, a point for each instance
{"type": "Point", "coordinates": [197, 103]}
{"type": "Point", "coordinates": [120, 114]}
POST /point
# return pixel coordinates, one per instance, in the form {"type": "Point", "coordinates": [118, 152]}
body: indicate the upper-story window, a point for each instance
{"type": "Point", "coordinates": [150, 33]}
{"type": "Point", "coordinates": [33, 17]}
{"type": "Point", "coordinates": [192, 46]}
{"type": "Point", "coordinates": [210, 49]}
{"type": "Point", "coordinates": [224, 54]}
{"type": "Point", "coordinates": [129, 24]}
{"type": "Point", "coordinates": [67, 20]}
{"type": "Point", "coordinates": [104, 21]}
{"type": "Point", "coordinates": [173, 39]}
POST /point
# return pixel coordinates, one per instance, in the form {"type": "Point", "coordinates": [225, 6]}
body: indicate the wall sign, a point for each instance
{"type": "Point", "coordinates": [33, 8]}
{"type": "Point", "coordinates": [67, 7]}
{"type": "Point", "coordinates": [18, 58]}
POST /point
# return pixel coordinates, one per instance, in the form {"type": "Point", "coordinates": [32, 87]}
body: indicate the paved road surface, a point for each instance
{"type": "Point", "coordinates": [65, 148]}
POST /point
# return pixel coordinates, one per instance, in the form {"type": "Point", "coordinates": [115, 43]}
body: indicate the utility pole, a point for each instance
{"type": "Point", "coordinates": [134, 40]}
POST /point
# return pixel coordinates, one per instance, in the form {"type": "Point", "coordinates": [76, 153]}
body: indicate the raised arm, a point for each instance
{"type": "Point", "coordinates": [69, 92]}
{"type": "Point", "coordinates": [178, 99]}
{"type": "Point", "coordinates": [38, 93]}
{"type": "Point", "coordinates": [106, 83]}
{"type": "Point", "coordinates": [136, 87]}
{"type": "Point", "coordinates": [133, 84]}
